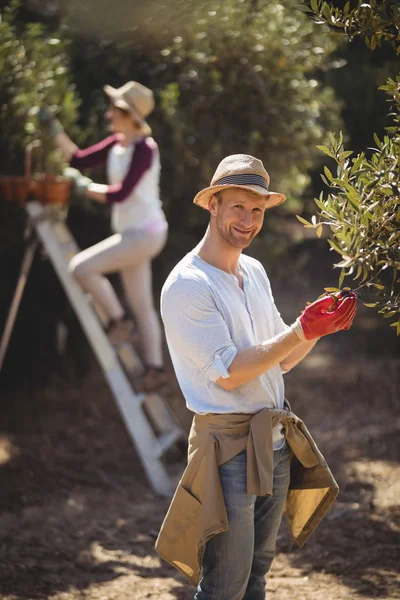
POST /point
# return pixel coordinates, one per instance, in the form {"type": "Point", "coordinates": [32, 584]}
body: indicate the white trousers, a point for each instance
{"type": "Point", "coordinates": [130, 253]}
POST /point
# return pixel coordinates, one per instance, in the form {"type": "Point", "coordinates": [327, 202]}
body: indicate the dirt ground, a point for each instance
{"type": "Point", "coordinates": [78, 519]}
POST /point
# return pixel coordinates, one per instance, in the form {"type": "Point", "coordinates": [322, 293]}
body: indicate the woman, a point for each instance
{"type": "Point", "coordinates": [133, 171]}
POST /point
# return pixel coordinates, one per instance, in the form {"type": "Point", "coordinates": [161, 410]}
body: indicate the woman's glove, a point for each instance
{"type": "Point", "coordinates": [327, 315]}
{"type": "Point", "coordinates": [80, 182]}
{"type": "Point", "coordinates": [48, 120]}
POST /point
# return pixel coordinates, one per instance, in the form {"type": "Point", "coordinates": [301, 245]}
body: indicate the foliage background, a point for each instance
{"type": "Point", "coordinates": [77, 516]}
{"type": "Point", "coordinates": [362, 206]}
{"type": "Point", "coordinates": [243, 77]}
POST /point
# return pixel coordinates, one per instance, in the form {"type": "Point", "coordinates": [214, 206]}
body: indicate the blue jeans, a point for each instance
{"type": "Point", "coordinates": [235, 562]}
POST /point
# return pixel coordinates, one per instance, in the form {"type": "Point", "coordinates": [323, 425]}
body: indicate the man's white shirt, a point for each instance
{"type": "Point", "coordinates": [208, 319]}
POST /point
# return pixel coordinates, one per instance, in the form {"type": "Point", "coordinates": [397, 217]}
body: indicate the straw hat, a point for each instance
{"type": "Point", "coordinates": [240, 171]}
{"type": "Point", "coordinates": [135, 98]}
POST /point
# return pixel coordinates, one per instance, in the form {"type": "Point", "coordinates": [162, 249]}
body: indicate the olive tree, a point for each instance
{"type": "Point", "coordinates": [229, 77]}
{"type": "Point", "coordinates": [34, 70]}
{"type": "Point", "coordinates": [376, 21]}
{"type": "Point", "coordinates": [362, 206]}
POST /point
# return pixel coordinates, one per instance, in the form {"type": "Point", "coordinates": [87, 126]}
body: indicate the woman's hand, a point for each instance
{"type": "Point", "coordinates": [48, 120]}
{"type": "Point", "coordinates": [97, 192]}
{"type": "Point", "coordinates": [80, 182]}
{"type": "Point", "coordinates": [53, 127]}
{"type": "Point", "coordinates": [99, 197]}
{"type": "Point", "coordinates": [84, 186]}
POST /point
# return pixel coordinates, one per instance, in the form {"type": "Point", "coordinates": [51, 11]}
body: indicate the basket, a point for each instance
{"type": "Point", "coordinates": [48, 188]}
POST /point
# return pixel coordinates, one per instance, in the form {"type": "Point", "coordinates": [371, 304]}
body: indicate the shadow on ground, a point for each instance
{"type": "Point", "coordinates": [78, 519]}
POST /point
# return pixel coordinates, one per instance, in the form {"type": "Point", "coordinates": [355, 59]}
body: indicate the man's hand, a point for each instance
{"type": "Point", "coordinates": [47, 120]}
{"type": "Point", "coordinates": [327, 315]}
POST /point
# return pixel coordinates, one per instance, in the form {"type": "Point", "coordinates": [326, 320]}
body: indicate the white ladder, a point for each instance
{"type": "Point", "coordinates": [147, 417]}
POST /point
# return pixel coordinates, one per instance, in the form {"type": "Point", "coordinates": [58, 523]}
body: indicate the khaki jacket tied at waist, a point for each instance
{"type": "Point", "coordinates": [197, 511]}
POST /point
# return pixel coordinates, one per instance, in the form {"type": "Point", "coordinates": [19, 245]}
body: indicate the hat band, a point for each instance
{"type": "Point", "coordinates": [243, 179]}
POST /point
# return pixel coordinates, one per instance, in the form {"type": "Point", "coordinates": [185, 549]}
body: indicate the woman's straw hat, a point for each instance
{"type": "Point", "coordinates": [135, 98]}
{"type": "Point", "coordinates": [240, 171]}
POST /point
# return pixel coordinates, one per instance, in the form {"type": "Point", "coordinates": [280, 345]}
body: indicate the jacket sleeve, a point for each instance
{"type": "Point", "coordinates": [141, 162]}
{"type": "Point", "coordinates": [94, 155]}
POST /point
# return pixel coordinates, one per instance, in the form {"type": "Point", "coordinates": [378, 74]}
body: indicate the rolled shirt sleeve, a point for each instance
{"type": "Point", "coordinates": [196, 329]}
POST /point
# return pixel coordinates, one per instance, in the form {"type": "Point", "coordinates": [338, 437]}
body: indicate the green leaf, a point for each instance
{"type": "Point", "coordinates": [354, 200]}
{"type": "Point", "coordinates": [333, 139]}
{"type": "Point", "coordinates": [304, 221]}
{"type": "Point", "coordinates": [335, 246]}
{"type": "Point", "coordinates": [377, 141]}
{"type": "Point", "coordinates": [359, 271]}
{"type": "Point", "coordinates": [326, 151]}
{"type": "Point", "coordinates": [324, 179]}
{"type": "Point", "coordinates": [371, 304]}
{"type": "Point", "coordinates": [346, 154]}
{"type": "Point", "coordinates": [377, 285]}
{"type": "Point", "coordinates": [327, 11]}
{"type": "Point", "coordinates": [346, 185]}
{"type": "Point", "coordinates": [319, 203]}
{"type": "Point", "coordinates": [303, 8]}
{"type": "Point", "coordinates": [341, 278]}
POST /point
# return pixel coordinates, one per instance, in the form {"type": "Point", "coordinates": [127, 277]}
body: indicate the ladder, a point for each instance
{"type": "Point", "coordinates": [147, 417]}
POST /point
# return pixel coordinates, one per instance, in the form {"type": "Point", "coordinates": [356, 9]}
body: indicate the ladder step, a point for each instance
{"type": "Point", "coordinates": [159, 413]}
{"type": "Point", "coordinates": [62, 233]}
{"type": "Point", "coordinates": [147, 416]}
{"type": "Point", "coordinates": [141, 398]}
{"type": "Point", "coordinates": [166, 440]}
{"type": "Point", "coordinates": [129, 359]}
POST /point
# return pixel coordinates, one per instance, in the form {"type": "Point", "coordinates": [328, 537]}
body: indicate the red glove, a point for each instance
{"type": "Point", "coordinates": [327, 315]}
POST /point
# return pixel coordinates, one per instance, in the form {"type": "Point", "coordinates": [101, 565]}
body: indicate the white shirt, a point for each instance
{"type": "Point", "coordinates": [143, 207]}
{"type": "Point", "coordinates": [208, 319]}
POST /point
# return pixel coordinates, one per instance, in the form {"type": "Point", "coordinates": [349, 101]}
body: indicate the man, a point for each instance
{"type": "Point", "coordinates": [230, 346]}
